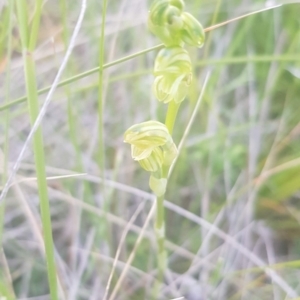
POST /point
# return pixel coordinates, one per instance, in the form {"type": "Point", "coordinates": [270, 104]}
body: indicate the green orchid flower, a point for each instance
{"type": "Point", "coordinates": [173, 74]}
{"type": "Point", "coordinates": [151, 145]}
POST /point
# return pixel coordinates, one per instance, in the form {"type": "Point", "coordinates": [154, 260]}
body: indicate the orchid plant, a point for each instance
{"type": "Point", "coordinates": [151, 141]}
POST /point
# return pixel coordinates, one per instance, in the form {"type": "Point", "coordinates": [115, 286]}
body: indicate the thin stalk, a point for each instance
{"type": "Point", "coordinates": [33, 107]}
{"type": "Point", "coordinates": [104, 233]}
{"type": "Point", "coordinates": [85, 74]}
{"type": "Point", "coordinates": [209, 36]}
{"type": "Point", "coordinates": [220, 61]}
{"type": "Point", "coordinates": [35, 25]}
{"type": "Point", "coordinates": [73, 132]}
{"type": "Point", "coordinates": [72, 114]}
{"type": "Point", "coordinates": [4, 15]}
{"type": "Point", "coordinates": [171, 115]}
{"type": "Point", "coordinates": [23, 21]}
{"type": "Point", "coordinates": [160, 210]}
{"type": "Point", "coordinates": [160, 237]}
{"type": "Point", "coordinates": [39, 158]}
{"type": "Point", "coordinates": [7, 114]}
{"type": "Point", "coordinates": [5, 272]}
{"type": "Point", "coordinates": [100, 95]}
{"type": "Point", "coordinates": [7, 289]}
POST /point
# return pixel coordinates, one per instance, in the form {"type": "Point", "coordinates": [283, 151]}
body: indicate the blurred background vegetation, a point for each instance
{"type": "Point", "coordinates": [238, 169]}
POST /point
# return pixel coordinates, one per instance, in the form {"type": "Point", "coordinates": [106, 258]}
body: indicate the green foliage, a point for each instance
{"type": "Point", "coordinates": [234, 186]}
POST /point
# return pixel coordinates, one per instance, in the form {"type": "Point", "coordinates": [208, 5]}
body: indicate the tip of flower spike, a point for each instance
{"type": "Point", "coordinates": [165, 22]}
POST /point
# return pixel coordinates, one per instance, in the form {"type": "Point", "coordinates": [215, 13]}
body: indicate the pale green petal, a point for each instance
{"type": "Point", "coordinates": [147, 134]}
{"type": "Point", "coordinates": [140, 153]}
{"type": "Point", "coordinates": [172, 60]}
{"type": "Point", "coordinates": [146, 139]}
{"type": "Point", "coordinates": [182, 91]}
{"type": "Point", "coordinates": [192, 32]}
{"type": "Point", "coordinates": [178, 90]}
{"type": "Point", "coordinates": [161, 88]}
{"type": "Point", "coordinates": [154, 162]}
{"type": "Point", "coordinates": [178, 3]}
{"type": "Point", "coordinates": [149, 126]}
{"type": "Point", "coordinates": [170, 88]}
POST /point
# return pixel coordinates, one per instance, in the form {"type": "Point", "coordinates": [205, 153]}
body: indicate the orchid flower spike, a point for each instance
{"type": "Point", "coordinates": [173, 72]}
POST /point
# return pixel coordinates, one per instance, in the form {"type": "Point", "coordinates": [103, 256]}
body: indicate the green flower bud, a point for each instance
{"type": "Point", "coordinates": [192, 32]}
{"type": "Point", "coordinates": [165, 21]}
{"type": "Point", "coordinates": [173, 26]}
{"type": "Point", "coordinates": [151, 145]}
{"type": "Point", "coordinates": [173, 71]}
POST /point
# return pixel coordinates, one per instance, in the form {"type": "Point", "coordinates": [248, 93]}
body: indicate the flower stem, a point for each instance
{"type": "Point", "coordinates": [160, 239]}
{"type": "Point", "coordinates": [160, 211]}
{"type": "Point", "coordinates": [100, 92]}
{"type": "Point", "coordinates": [160, 236]}
{"type": "Point", "coordinates": [171, 115]}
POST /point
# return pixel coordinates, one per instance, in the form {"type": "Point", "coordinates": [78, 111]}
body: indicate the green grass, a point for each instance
{"type": "Point", "coordinates": [232, 212]}
{"type": "Point", "coordinates": [28, 41]}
